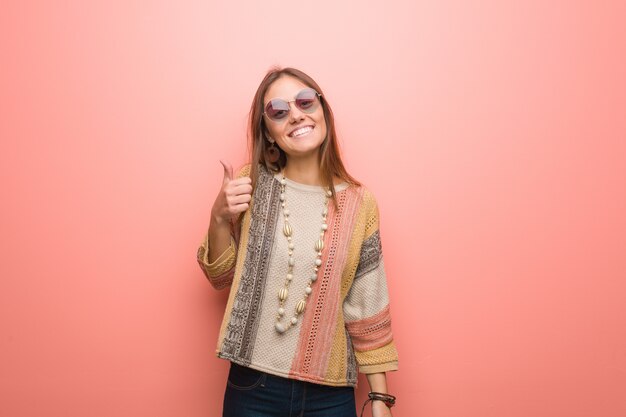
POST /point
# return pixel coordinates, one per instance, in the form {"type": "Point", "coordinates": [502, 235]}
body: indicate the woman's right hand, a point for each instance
{"type": "Point", "coordinates": [233, 198]}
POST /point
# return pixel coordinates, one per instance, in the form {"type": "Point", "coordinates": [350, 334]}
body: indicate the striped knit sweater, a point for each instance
{"type": "Point", "coordinates": [346, 326]}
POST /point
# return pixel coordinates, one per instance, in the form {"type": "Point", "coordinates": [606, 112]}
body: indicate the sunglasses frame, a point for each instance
{"type": "Point", "coordinates": [318, 95]}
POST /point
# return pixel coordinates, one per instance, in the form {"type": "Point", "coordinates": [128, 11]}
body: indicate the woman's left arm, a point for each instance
{"type": "Point", "coordinates": [367, 313]}
{"type": "Point", "coordinates": [378, 383]}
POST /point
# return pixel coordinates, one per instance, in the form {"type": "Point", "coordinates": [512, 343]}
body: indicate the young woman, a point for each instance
{"type": "Point", "coordinates": [296, 238]}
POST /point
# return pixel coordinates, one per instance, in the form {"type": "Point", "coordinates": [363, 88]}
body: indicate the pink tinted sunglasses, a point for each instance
{"type": "Point", "coordinates": [306, 100]}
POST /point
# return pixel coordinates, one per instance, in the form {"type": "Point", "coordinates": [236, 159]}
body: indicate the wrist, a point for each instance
{"type": "Point", "coordinates": [379, 403]}
{"type": "Point", "coordinates": [219, 221]}
{"type": "Point", "coordinates": [382, 397]}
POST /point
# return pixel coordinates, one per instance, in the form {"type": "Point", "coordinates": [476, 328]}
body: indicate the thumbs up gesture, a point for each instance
{"type": "Point", "coordinates": [233, 198]}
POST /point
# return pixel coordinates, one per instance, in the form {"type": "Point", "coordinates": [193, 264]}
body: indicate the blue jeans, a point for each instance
{"type": "Point", "coordinates": [252, 393]}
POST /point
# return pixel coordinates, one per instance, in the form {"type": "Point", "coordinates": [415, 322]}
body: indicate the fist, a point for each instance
{"type": "Point", "coordinates": [234, 196]}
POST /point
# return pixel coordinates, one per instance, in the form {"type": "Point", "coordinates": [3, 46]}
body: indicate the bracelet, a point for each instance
{"type": "Point", "coordinates": [388, 399]}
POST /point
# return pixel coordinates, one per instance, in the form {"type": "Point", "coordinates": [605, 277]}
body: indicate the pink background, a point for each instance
{"type": "Point", "coordinates": [493, 134]}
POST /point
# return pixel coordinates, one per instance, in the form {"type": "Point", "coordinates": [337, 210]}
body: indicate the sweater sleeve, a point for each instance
{"type": "Point", "coordinates": [220, 272]}
{"type": "Point", "coordinates": [366, 307]}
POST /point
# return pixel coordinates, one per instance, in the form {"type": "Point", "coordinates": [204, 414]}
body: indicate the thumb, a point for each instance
{"type": "Point", "coordinates": [228, 171]}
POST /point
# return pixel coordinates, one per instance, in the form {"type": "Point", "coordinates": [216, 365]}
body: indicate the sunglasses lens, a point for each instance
{"type": "Point", "coordinates": [277, 109]}
{"type": "Point", "coordinates": [307, 100]}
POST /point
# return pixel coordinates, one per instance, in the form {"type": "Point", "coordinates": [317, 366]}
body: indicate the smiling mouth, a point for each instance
{"type": "Point", "coordinates": [301, 132]}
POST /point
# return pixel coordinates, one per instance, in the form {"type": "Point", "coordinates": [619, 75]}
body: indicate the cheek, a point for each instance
{"type": "Point", "coordinates": [323, 130]}
{"type": "Point", "coordinates": [323, 127]}
{"type": "Point", "coordinates": [272, 132]}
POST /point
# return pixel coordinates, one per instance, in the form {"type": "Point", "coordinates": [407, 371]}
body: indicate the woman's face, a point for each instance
{"type": "Point", "coordinates": [288, 132]}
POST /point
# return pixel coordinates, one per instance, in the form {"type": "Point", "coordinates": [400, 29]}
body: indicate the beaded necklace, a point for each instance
{"type": "Point", "coordinates": [319, 246]}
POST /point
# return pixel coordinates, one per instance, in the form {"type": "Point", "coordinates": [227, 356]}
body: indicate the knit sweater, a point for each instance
{"type": "Point", "coordinates": [346, 324]}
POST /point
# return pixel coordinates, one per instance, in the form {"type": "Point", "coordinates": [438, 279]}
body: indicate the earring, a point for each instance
{"type": "Point", "coordinates": [272, 153]}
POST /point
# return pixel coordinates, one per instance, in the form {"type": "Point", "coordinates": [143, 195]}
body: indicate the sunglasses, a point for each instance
{"type": "Point", "coordinates": [306, 100]}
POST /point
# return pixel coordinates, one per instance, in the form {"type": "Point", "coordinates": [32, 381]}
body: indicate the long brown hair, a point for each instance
{"type": "Point", "coordinates": [329, 156]}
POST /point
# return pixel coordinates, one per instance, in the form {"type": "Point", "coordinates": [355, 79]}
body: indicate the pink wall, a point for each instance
{"type": "Point", "coordinates": [492, 133]}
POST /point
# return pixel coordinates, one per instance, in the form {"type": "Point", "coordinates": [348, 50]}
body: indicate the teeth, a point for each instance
{"type": "Point", "coordinates": [302, 131]}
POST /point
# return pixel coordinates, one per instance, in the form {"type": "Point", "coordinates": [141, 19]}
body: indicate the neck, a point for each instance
{"type": "Point", "coordinates": [304, 170]}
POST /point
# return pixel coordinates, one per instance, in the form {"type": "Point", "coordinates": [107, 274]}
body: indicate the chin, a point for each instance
{"type": "Point", "coordinates": [302, 151]}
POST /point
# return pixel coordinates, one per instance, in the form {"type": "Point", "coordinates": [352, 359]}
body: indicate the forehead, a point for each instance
{"type": "Point", "coordinates": [286, 87]}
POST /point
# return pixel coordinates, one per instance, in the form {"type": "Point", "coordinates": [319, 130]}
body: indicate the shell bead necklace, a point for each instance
{"type": "Point", "coordinates": [318, 247]}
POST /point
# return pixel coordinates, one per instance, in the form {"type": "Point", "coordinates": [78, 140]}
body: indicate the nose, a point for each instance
{"type": "Point", "coordinates": [295, 113]}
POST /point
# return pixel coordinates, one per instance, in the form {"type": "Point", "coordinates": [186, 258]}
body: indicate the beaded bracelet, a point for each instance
{"type": "Point", "coordinates": [388, 399]}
